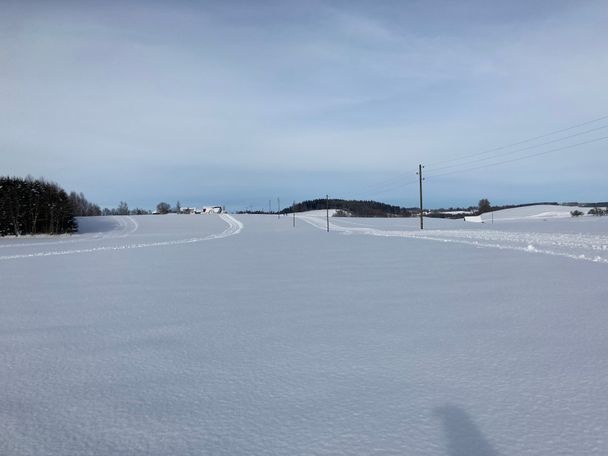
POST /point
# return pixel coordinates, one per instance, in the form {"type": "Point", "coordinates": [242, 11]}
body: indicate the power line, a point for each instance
{"type": "Point", "coordinates": [366, 194]}
{"type": "Point", "coordinates": [392, 187]}
{"type": "Point", "coordinates": [394, 182]}
{"type": "Point", "coordinates": [523, 141]}
{"type": "Point", "coordinates": [570, 146]}
{"type": "Point", "coordinates": [386, 185]}
{"type": "Point", "coordinates": [522, 149]}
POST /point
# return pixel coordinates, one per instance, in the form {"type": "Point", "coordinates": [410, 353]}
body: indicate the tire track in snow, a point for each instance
{"type": "Point", "coordinates": [234, 228]}
{"type": "Point", "coordinates": [574, 246]}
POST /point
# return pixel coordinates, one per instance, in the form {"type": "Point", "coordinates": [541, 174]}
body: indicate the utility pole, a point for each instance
{"type": "Point", "coordinates": [327, 209]}
{"type": "Point", "coordinates": [293, 208]}
{"type": "Point", "coordinates": [269, 206]}
{"type": "Point", "coordinates": [278, 208]}
{"type": "Point", "coordinates": [421, 210]}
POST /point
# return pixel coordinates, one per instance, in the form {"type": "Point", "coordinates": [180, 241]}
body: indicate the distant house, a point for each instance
{"type": "Point", "coordinates": [204, 210]}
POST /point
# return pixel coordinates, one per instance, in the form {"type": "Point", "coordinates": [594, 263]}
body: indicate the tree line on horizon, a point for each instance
{"type": "Point", "coordinates": [38, 206]}
{"type": "Point", "coordinates": [123, 209]}
{"type": "Point", "coordinates": [352, 208]}
{"type": "Point", "coordinates": [370, 208]}
{"type": "Point", "coordinates": [161, 208]}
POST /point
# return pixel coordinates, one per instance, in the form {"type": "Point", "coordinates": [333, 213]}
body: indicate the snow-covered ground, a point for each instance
{"type": "Point", "coordinates": [562, 239]}
{"type": "Point", "coordinates": [539, 211]}
{"type": "Point", "coordinates": [242, 335]}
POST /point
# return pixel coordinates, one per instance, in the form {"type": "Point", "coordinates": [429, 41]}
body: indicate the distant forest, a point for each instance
{"type": "Point", "coordinates": [37, 206]}
{"type": "Point", "coordinates": [351, 208]}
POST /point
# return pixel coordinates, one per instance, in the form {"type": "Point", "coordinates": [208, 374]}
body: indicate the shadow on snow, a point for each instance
{"type": "Point", "coordinates": [462, 435]}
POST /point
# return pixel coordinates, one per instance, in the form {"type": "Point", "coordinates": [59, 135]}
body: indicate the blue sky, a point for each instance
{"type": "Point", "coordinates": [237, 102]}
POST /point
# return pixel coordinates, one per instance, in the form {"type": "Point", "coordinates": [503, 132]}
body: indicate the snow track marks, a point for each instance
{"type": "Point", "coordinates": [234, 227]}
{"type": "Point", "coordinates": [576, 246]}
{"type": "Point", "coordinates": [127, 226]}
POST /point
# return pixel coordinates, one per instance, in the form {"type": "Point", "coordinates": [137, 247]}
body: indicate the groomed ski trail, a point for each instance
{"type": "Point", "coordinates": [574, 246]}
{"type": "Point", "coordinates": [127, 226]}
{"type": "Point", "coordinates": [234, 228]}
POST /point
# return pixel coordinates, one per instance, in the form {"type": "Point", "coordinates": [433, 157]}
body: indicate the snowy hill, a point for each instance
{"type": "Point", "coordinates": [318, 213]}
{"type": "Point", "coordinates": [541, 211]}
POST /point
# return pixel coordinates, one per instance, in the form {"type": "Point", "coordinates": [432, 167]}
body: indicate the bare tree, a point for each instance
{"type": "Point", "coordinates": [163, 208]}
{"type": "Point", "coordinates": [123, 208]}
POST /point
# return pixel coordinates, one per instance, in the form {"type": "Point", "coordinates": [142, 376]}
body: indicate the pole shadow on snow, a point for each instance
{"type": "Point", "coordinates": [463, 437]}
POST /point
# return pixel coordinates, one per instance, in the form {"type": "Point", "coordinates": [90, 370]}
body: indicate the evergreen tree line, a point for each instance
{"type": "Point", "coordinates": [34, 206]}
{"type": "Point", "coordinates": [353, 208]}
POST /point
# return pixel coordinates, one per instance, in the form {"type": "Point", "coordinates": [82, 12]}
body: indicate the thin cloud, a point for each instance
{"type": "Point", "coordinates": [317, 87]}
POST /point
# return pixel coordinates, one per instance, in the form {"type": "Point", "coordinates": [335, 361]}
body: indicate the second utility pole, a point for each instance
{"type": "Point", "coordinates": [327, 208]}
{"type": "Point", "coordinates": [421, 210]}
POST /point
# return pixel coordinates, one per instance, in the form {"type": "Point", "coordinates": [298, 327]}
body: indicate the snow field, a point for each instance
{"type": "Point", "coordinates": [276, 340]}
{"type": "Point", "coordinates": [124, 231]}
{"type": "Point", "coordinates": [588, 247]}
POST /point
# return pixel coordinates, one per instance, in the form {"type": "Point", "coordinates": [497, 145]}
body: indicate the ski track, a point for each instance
{"type": "Point", "coordinates": [123, 232]}
{"type": "Point", "coordinates": [574, 246]}
{"type": "Point", "coordinates": [234, 228]}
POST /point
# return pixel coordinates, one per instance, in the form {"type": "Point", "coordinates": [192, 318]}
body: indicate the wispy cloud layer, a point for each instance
{"type": "Point", "coordinates": [110, 97]}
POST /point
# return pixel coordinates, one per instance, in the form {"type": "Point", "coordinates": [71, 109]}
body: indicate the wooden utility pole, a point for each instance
{"type": "Point", "coordinates": [293, 208]}
{"type": "Point", "coordinates": [421, 209]}
{"type": "Point", "coordinates": [269, 206]}
{"type": "Point", "coordinates": [327, 209]}
{"type": "Point", "coordinates": [278, 208]}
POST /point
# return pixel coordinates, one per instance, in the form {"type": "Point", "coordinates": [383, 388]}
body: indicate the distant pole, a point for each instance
{"type": "Point", "coordinates": [327, 209]}
{"type": "Point", "coordinates": [492, 217]}
{"type": "Point", "coordinates": [278, 208]}
{"type": "Point", "coordinates": [421, 210]}
{"type": "Point", "coordinates": [293, 208]}
{"type": "Point", "coordinates": [269, 206]}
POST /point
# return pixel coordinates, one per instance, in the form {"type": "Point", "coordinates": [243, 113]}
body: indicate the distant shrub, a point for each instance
{"type": "Point", "coordinates": [484, 206]}
{"type": "Point", "coordinates": [341, 213]}
{"type": "Point", "coordinates": [139, 211]}
{"type": "Point", "coordinates": [163, 208]}
{"type": "Point", "coordinates": [576, 213]}
{"type": "Point", "coordinates": [598, 211]}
